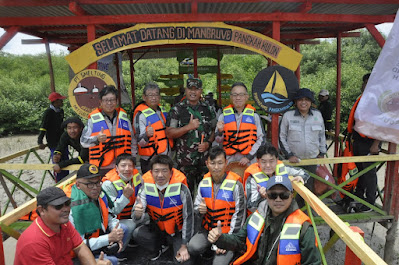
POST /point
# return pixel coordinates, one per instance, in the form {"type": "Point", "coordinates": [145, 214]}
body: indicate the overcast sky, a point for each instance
{"type": "Point", "coordinates": [14, 46]}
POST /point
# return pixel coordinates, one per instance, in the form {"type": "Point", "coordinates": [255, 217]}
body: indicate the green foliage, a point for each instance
{"type": "Point", "coordinates": [25, 81]}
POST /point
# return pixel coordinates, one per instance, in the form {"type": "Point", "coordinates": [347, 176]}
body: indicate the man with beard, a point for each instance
{"type": "Point", "coordinates": [51, 237]}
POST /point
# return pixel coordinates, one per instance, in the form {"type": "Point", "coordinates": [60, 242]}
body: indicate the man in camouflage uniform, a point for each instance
{"type": "Point", "coordinates": [191, 123]}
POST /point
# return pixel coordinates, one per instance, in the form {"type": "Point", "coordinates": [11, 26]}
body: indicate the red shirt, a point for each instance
{"type": "Point", "coordinates": [38, 244]}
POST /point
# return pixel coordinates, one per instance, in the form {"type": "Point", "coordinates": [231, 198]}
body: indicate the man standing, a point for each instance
{"type": "Point", "coordinates": [257, 175]}
{"type": "Point", "coordinates": [71, 137]}
{"type": "Point", "coordinates": [302, 133]}
{"type": "Point", "coordinates": [277, 233]}
{"type": "Point", "coordinates": [167, 199]}
{"type": "Point", "coordinates": [149, 127]}
{"type": "Point", "coordinates": [122, 184]}
{"type": "Point", "coordinates": [325, 108]}
{"type": "Point", "coordinates": [91, 217]}
{"type": "Point", "coordinates": [108, 132]}
{"type": "Point", "coordinates": [220, 200]}
{"type": "Point", "coordinates": [366, 187]}
{"type": "Point", "coordinates": [240, 128]}
{"type": "Point", "coordinates": [192, 123]}
{"type": "Point", "coordinates": [51, 237]}
{"type": "Point", "coordinates": [51, 127]}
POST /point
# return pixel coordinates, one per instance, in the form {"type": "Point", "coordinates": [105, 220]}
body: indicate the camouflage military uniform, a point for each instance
{"type": "Point", "coordinates": [188, 159]}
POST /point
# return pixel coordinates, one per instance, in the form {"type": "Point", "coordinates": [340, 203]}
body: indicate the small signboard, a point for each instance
{"type": "Point", "coordinates": [84, 89]}
{"type": "Point", "coordinates": [274, 88]}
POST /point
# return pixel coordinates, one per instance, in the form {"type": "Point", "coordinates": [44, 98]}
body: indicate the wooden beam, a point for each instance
{"type": "Point", "coordinates": [376, 34]}
{"type": "Point", "coordinates": [7, 36]}
{"type": "Point", "coordinates": [338, 160]}
{"type": "Point", "coordinates": [20, 166]}
{"type": "Point", "coordinates": [353, 240]}
{"type": "Point", "coordinates": [201, 17]}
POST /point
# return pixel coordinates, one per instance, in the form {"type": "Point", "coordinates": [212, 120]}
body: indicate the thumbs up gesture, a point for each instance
{"type": "Point", "coordinates": [116, 234]}
{"type": "Point", "coordinates": [128, 191]}
{"type": "Point", "coordinates": [262, 191]}
{"type": "Point", "coordinates": [202, 207]}
{"type": "Point", "coordinates": [138, 208]}
{"type": "Point", "coordinates": [101, 260]}
{"type": "Point", "coordinates": [102, 137]}
{"type": "Point", "coordinates": [149, 130]}
{"type": "Point", "coordinates": [194, 123]}
{"type": "Point", "coordinates": [215, 233]}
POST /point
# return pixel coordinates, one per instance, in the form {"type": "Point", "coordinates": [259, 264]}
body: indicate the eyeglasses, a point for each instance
{"type": "Point", "coordinates": [241, 95]}
{"type": "Point", "coordinates": [152, 95]}
{"type": "Point", "coordinates": [113, 100]}
{"type": "Point", "coordinates": [60, 206]}
{"type": "Point", "coordinates": [282, 195]}
{"type": "Point", "coordinates": [92, 185]}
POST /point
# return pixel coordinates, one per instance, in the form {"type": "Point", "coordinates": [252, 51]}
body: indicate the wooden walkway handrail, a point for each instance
{"type": "Point", "coordinates": [17, 154]}
{"type": "Point", "coordinates": [338, 160]}
{"type": "Point", "coordinates": [353, 240]}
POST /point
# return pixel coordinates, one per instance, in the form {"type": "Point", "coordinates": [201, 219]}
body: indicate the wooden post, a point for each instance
{"type": "Point", "coordinates": [298, 70]}
{"type": "Point", "coordinates": [338, 97]}
{"type": "Point", "coordinates": [91, 35]}
{"type": "Point", "coordinates": [130, 53]}
{"type": "Point", "coordinates": [50, 66]}
{"type": "Point", "coordinates": [118, 81]}
{"type": "Point", "coordinates": [219, 81]}
{"type": "Point", "coordinates": [274, 123]}
{"type": "Point", "coordinates": [350, 257]}
{"type": "Point", "coordinates": [2, 259]}
{"type": "Point", "coordinates": [391, 205]}
{"type": "Point", "coordinates": [195, 61]}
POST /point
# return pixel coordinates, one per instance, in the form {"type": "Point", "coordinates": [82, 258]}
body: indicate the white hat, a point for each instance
{"type": "Point", "coordinates": [324, 92]}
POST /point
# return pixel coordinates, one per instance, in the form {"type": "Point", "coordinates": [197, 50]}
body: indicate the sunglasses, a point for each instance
{"type": "Point", "coordinates": [282, 195]}
{"type": "Point", "coordinates": [59, 207]}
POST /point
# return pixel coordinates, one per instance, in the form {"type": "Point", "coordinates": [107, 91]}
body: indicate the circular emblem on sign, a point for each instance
{"type": "Point", "coordinates": [388, 103]}
{"type": "Point", "coordinates": [93, 169]}
{"type": "Point", "coordinates": [274, 88]}
{"type": "Point", "coordinates": [84, 90]}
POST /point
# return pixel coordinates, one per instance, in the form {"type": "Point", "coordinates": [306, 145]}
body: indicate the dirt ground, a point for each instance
{"type": "Point", "coordinates": [374, 233]}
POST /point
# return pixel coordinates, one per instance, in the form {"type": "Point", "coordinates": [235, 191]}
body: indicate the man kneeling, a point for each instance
{"type": "Point", "coordinates": [277, 233]}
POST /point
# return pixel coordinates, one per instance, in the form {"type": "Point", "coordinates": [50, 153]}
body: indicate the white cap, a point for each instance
{"type": "Point", "coordinates": [324, 92]}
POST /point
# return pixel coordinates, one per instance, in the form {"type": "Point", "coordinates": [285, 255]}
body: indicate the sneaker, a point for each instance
{"type": "Point", "coordinates": [154, 256]}
{"type": "Point", "coordinates": [364, 209]}
{"type": "Point", "coordinates": [157, 255]}
{"type": "Point", "coordinates": [121, 256]}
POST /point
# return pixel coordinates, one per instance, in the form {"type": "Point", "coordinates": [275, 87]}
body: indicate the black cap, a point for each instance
{"type": "Point", "coordinates": [194, 82]}
{"type": "Point", "coordinates": [88, 171]}
{"type": "Point", "coordinates": [51, 196]}
{"type": "Point", "coordinates": [304, 93]}
{"type": "Point", "coordinates": [75, 119]}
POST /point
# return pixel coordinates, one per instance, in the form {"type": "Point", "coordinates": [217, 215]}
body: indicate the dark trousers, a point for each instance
{"type": "Point", "coordinates": [194, 175]}
{"type": "Point", "coordinates": [366, 187]}
{"type": "Point", "coordinates": [309, 184]}
{"type": "Point", "coordinates": [144, 165]}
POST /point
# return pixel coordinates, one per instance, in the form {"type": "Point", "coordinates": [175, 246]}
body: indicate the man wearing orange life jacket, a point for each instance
{"type": "Point", "coordinates": [149, 127]}
{"type": "Point", "coordinates": [220, 197]}
{"type": "Point", "coordinates": [90, 214]}
{"type": "Point", "coordinates": [108, 132]}
{"type": "Point", "coordinates": [240, 128]}
{"type": "Point", "coordinates": [277, 233]}
{"type": "Point", "coordinates": [167, 199]}
{"type": "Point", "coordinates": [122, 184]}
{"type": "Point", "coordinates": [257, 175]}
{"type": "Point", "coordinates": [366, 187]}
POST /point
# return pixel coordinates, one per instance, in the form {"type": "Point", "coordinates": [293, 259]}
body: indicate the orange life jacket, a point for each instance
{"type": "Point", "coordinates": [103, 209]}
{"type": "Point", "coordinates": [158, 143]}
{"type": "Point", "coordinates": [260, 177]}
{"type": "Point", "coordinates": [119, 184]}
{"type": "Point", "coordinates": [166, 213]}
{"type": "Point", "coordinates": [289, 252]}
{"type": "Point", "coordinates": [351, 119]}
{"type": "Point", "coordinates": [222, 206]}
{"type": "Point", "coordinates": [239, 140]}
{"type": "Point", "coordinates": [104, 153]}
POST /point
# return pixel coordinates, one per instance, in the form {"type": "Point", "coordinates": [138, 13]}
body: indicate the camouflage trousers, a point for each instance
{"type": "Point", "coordinates": [194, 175]}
